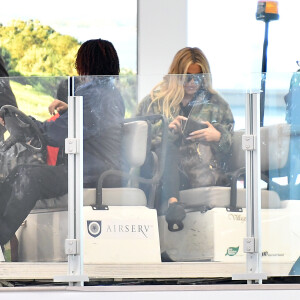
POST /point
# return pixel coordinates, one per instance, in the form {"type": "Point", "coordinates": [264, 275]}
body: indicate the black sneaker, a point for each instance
{"type": "Point", "coordinates": [174, 216]}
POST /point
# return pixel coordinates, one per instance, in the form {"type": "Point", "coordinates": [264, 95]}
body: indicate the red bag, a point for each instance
{"type": "Point", "coordinates": [52, 152]}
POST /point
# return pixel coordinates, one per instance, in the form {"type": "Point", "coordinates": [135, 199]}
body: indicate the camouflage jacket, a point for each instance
{"type": "Point", "coordinates": [199, 157]}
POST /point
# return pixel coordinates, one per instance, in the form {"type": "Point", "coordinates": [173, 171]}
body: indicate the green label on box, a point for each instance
{"type": "Point", "coordinates": [231, 251]}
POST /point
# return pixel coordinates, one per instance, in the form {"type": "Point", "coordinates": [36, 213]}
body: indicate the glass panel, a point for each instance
{"type": "Point", "coordinates": [173, 165]}
{"type": "Point", "coordinates": [229, 197]}
{"type": "Point", "coordinates": [107, 101]}
{"type": "Point", "coordinates": [280, 169]}
{"type": "Point", "coordinates": [210, 233]}
{"type": "Point", "coordinates": [32, 171]}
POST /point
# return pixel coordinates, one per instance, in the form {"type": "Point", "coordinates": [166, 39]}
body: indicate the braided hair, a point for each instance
{"type": "Point", "coordinates": [97, 57]}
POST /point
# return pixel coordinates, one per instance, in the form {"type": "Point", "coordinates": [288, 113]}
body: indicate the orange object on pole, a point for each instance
{"type": "Point", "coordinates": [267, 11]}
{"type": "Point", "coordinates": [271, 7]}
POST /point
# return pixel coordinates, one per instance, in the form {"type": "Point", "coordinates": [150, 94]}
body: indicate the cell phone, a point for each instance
{"type": "Point", "coordinates": [192, 125]}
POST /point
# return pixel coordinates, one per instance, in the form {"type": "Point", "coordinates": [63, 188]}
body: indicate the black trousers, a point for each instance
{"type": "Point", "coordinates": [23, 188]}
{"type": "Point", "coordinates": [173, 179]}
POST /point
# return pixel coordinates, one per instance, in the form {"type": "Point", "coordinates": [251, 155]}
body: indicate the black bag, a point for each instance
{"type": "Point", "coordinates": [200, 167]}
{"type": "Point", "coordinates": [15, 156]}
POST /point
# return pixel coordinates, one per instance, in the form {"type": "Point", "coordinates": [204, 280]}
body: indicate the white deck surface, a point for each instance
{"type": "Point", "coordinates": [25, 271]}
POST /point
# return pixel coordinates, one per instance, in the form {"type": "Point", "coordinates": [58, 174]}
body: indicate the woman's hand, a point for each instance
{"type": "Point", "coordinates": [209, 134]}
{"type": "Point", "coordinates": [58, 106]}
{"type": "Point", "coordinates": [175, 125]}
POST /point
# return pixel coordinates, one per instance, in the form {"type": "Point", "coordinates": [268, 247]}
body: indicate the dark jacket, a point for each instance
{"type": "Point", "coordinates": [103, 118]}
{"type": "Point", "coordinates": [6, 94]}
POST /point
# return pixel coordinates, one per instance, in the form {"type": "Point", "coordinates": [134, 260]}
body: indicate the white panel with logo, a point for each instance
{"type": "Point", "coordinates": [121, 235]}
{"type": "Point", "coordinates": [217, 235]}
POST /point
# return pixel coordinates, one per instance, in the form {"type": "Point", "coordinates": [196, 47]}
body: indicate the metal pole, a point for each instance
{"type": "Point", "coordinates": [79, 184]}
{"type": "Point", "coordinates": [74, 149]}
{"type": "Point", "coordinates": [71, 186]}
{"type": "Point", "coordinates": [251, 145]}
{"type": "Point", "coordinates": [264, 75]}
{"type": "Point", "coordinates": [252, 244]}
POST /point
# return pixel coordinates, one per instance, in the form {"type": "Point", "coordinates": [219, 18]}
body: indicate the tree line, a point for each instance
{"type": "Point", "coordinates": [30, 48]}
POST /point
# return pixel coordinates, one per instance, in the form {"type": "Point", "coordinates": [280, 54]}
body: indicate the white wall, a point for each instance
{"type": "Point", "coordinates": [162, 31]}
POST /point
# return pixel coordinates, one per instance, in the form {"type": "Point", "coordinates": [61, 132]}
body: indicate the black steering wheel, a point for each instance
{"type": "Point", "coordinates": [22, 130]}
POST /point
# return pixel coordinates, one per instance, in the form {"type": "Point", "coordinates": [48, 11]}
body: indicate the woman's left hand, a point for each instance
{"type": "Point", "coordinates": [209, 134]}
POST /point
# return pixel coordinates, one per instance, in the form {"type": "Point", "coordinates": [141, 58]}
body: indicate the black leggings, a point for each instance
{"type": "Point", "coordinates": [173, 180]}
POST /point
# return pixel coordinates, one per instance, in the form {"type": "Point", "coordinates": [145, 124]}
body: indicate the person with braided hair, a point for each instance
{"type": "Point", "coordinates": [103, 118]}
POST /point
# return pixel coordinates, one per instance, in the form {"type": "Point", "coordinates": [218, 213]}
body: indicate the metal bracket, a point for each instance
{"type": "Point", "coordinates": [72, 146]}
{"type": "Point", "coordinates": [249, 245]}
{"type": "Point", "coordinates": [234, 209]}
{"type": "Point", "coordinates": [250, 276]}
{"type": "Point", "coordinates": [71, 278]}
{"type": "Point", "coordinates": [71, 247]}
{"type": "Point", "coordinates": [248, 142]}
{"type": "Point", "coordinates": [100, 207]}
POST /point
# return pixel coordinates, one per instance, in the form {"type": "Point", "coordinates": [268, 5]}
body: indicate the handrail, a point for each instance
{"type": "Point", "coordinates": [161, 163]}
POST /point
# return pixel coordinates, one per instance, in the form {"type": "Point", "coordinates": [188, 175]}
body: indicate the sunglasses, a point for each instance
{"type": "Point", "coordinates": [197, 78]}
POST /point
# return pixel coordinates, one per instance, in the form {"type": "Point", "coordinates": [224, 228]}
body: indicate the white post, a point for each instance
{"type": "Point", "coordinates": [74, 149]}
{"type": "Point", "coordinates": [251, 145]}
{"type": "Point", "coordinates": [162, 31]}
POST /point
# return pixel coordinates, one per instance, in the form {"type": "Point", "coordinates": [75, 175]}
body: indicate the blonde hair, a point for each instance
{"type": "Point", "coordinates": [171, 90]}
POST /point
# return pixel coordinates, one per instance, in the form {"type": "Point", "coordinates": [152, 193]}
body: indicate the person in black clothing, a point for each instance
{"type": "Point", "coordinates": [103, 118]}
{"type": "Point", "coordinates": [6, 94]}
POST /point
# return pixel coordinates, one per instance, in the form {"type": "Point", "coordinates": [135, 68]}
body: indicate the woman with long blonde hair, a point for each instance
{"type": "Point", "coordinates": [171, 89]}
{"type": "Point", "coordinates": [200, 128]}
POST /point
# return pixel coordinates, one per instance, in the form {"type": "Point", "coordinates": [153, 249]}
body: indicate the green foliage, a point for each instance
{"type": "Point", "coordinates": [34, 100]}
{"type": "Point", "coordinates": [31, 48]}
{"type": "Point", "coordinates": [31, 101]}
{"type": "Point", "coordinates": [7, 255]}
{"type": "Point", "coordinates": [127, 85]}
{"type": "Point", "coordinates": [7, 60]}
{"type": "Point", "coordinates": [35, 55]}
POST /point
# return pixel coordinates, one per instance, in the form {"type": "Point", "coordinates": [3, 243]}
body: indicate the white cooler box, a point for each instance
{"type": "Point", "coordinates": [122, 234]}
{"type": "Point", "coordinates": [217, 235]}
